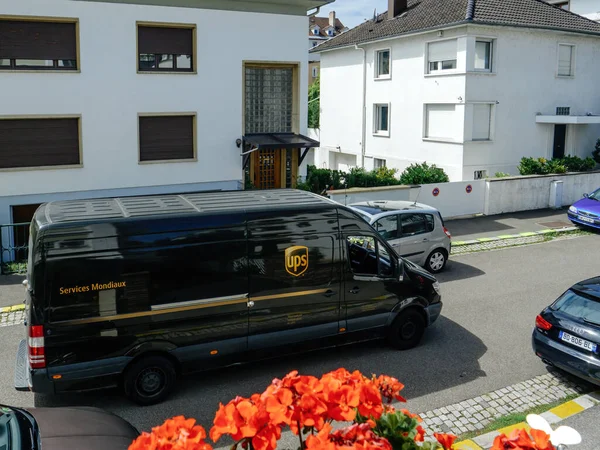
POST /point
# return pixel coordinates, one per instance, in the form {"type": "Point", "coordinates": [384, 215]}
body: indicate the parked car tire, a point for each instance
{"type": "Point", "coordinates": [436, 261]}
{"type": "Point", "coordinates": [149, 380]}
{"type": "Point", "coordinates": [407, 330]}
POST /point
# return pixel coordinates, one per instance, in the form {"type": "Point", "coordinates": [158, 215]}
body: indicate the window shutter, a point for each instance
{"type": "Point", "coordinates": [166, 137]}
{"type": "Point", "coordinates": [39, 142]}
{"type": "Point", "coordinates": [565, 55]}
{"type": "Point", "coordinates": [165, 41]}
{"type": "Point", "coordinates": [481, 121]}
{"type": "Point", "coordinates": [442, 51]}
{"type": "Point", "coordinates": [22, 39]}
{"type": "Point", "coordinates": [441, 121]}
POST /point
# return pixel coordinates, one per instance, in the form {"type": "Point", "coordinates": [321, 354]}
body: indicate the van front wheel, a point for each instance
{"type": "Point", "coordinates": [407, 330]}
{"type": "Point", "coordinates": [149, 380]}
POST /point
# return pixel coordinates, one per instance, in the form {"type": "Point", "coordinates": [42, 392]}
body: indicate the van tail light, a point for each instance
{"type": "Point", "coordinates": [540, 322]}
{"type": "Point", "coordinates": [35, 344]}
{"type": "Point", "coordinates": [447, 233]}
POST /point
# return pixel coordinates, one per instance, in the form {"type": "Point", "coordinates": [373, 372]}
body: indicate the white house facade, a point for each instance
{"type": "Point", "coordinates": [470, 97]}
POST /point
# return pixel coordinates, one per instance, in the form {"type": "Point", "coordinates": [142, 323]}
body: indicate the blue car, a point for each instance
{"type": "Point", "coordinates": [586, 211]}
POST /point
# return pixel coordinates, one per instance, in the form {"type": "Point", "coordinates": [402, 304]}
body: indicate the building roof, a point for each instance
{"type": "Point", "coordinates": [323, 24]}
{"type": "Point", "coordinates": [422, 15]}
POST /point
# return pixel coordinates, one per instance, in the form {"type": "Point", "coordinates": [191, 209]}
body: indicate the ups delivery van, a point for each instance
{"type": "Point", "coordinates": [133, 292]}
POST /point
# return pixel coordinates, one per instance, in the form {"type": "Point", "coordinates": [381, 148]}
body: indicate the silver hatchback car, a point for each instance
{"type": "Point", "coordinates": [415, 231]}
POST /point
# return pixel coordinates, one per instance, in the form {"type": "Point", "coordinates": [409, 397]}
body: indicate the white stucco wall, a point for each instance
{"type": "Point", "coordinates": [407, 91]}
{"type": "Point", "coordinates": [109, 94]}
{"type": "Point", "coordinates": [524, 82]}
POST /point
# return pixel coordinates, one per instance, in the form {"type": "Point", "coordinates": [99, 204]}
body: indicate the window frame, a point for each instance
{"type": "Point", "coordinates": [192, 114]}
{"type": "Point", "coordinates": [376, 119]}
{"type": "Point", "coordinates": [490, 56]}
{"type": "Point", "coordinates": [572, 68]}
{"type": "Point", "coordinates": [377, 75]}
{"type": "Point", "coordinates": [382, 165]}
{"type": "Point", "coordinates": [392, 217]}
{"type": "Point", "coordinates": [378, 243]}
{"type": "Point", "coordinates": [13, 68]}
{"type": "Point", "coordinates": [49, 116]}
{"type": "Point", "coordinates": [412, 213]}
{"type": "Point", "coordinates": [426, 136]}
{"type": "Point", "coordinates": [428, 70]}
{"type": "Point", "coordinates": [490, 125]}
{"type": "Point", "coordinates": [169, 70]}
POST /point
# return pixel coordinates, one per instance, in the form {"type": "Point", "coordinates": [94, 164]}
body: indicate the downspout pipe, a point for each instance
{"type": "Point", "coordinates": [363, 144]}
{"type": "Point", "coordinates": [317, 10]}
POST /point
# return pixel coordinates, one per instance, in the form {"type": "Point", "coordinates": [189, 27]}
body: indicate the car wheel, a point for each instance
{"type": "Point", "coordinates": [407, 330]}
{"type": "Point", "coordinates": [149, 380]}
{"type": "Point", "coordinates": [436, 260]}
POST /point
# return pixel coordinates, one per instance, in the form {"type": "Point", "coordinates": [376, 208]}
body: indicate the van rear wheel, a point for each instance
{"type": "Point", "coordinates": [407, 330]}
{"type": "Point", "coordinates": [149, 380]}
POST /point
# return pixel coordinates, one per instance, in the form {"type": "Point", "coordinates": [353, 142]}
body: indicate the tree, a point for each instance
{"type": "Point", "coordinates": [314, 92]}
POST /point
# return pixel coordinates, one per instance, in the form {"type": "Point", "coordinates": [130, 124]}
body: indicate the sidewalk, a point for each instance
{"type": "Point", "coordinates": [507, 224]}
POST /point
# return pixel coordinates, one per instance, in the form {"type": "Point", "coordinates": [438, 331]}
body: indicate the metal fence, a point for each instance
{"type": "Point", "coordinates": [14, 243]}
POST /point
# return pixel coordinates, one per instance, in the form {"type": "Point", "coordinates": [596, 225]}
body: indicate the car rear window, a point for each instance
{"type": "Point", "coordinates": [578, 305]}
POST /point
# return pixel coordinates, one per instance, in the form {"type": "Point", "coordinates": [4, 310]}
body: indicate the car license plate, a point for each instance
{"type": "Point", "coordinates": [582, 343]}
{"type": "Point", "coordinates": [586, 219]}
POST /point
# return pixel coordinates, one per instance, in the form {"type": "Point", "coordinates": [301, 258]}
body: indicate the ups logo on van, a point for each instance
{"type": "Point", "coordinates": [296, 260]}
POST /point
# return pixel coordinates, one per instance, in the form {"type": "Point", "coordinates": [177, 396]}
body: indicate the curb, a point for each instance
{"type": "Point", "coordinates": [553, 416]}
{"type": "Point", "coordinates": [9, 309]}
{"type": "Point", "coordinates": [514, 236]}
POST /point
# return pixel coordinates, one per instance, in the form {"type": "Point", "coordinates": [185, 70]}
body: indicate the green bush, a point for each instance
{"type": "Point", "coordinates": [596, 152]}
{"type": "Point", "coordinates": [541, 166]}
{"type": "Point", "coordinates": [501, 174]}
{"type": "Point", "coordinates": [423, 174]}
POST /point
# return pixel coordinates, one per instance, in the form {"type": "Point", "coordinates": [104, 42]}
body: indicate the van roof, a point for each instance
{"type": "Point", "coordinates": [119, 208]}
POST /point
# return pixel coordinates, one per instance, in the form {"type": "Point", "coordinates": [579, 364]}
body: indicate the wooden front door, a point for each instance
{"type": "Point", "coordinates": [267, 169]}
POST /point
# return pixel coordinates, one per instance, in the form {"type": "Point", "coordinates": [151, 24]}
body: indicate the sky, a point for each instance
{"type": "Point", "coordinates": [354, 12]}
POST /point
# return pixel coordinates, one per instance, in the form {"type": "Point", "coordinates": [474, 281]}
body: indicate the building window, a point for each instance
{"type": "Point", "coordinates": [565, 60]}
{"type": "Point", "coordinates": [314, 44]}
{"type": "Point", "coordinates": [441, 56]}
{"type": "Point", "coordinates": [440, 122]}
{"type": "Point", "coordinates": [483, 56]}
{"type": "Point", "coordinates": [165, 49]}
{"type": "Point", "coordinates": [378, 163]}
{"type": "Point", "coordinates": [482, 119]}
{"type": "Point", "coordinates": [46, 142]}
{"type": "Point", "coordinates": [167, 138]}
{"type": "Point", "coordinates": [315, 31]}
{"type": "Point", "coordinates": [563, 110]}
{"type": "Point", "coordinates": [381, 124]}
{"type": "Point", "coordinates": [330, 32]}
{"type": "Point", "coordinates": [315, 72]}
{"type": "Point", "coordinates": [479, 174]}
{"type": "Point", "coordinates": [38, 45]}
{"type": "Point", "coordinates": [382, 64]}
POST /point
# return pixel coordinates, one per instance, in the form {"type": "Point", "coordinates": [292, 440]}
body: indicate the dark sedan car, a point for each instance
{"type": "Point", "coordinates": [567, 333]}
{"type": "Point", "coordinates": [63, 429]}
{"type": "Point", "coordinates": [586, 211]}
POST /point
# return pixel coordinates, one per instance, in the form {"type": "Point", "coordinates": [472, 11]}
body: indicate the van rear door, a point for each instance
{"type": "Point", "coordinates": [294, 277]}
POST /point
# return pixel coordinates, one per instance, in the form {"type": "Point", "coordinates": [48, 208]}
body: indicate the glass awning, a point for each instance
{"type": "Point", "coordinates": [274, 141]}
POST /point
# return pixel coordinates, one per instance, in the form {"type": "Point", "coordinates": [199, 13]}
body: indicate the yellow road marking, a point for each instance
{"type": "Point", "coordinates": [509, 429]}
{"type": "Point", "coordinates": [466, 445]}
{"type": "Point", "coordinates": [567, 409]}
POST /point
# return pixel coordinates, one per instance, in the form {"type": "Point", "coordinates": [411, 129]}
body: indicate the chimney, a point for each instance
{"type": "Point", "coordinates": [332, 19]}
{"type": "Point", "coordinates": [395, 7]}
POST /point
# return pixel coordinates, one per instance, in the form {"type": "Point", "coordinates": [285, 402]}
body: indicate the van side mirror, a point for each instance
{"type": "Point", "coordinates": [400, 269]}
{"type": "Point", "coordinates": [586, 195]}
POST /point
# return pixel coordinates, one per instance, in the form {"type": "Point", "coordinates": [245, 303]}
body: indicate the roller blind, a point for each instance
{"type": "Point", "coordinates": [481, 121]}
{"type": "Point", "coordinates": [442, 51]}
{"type": "Point", "coordinates": [441, 121]}
{"type": "Point", "coordinates": [164, 40]}
{"type": "Point", "coordinates": [22, 39]}
{"type": "Point", "coordinates": [565, 56]}
{"type": "Point", "coordinates": [166, 137]}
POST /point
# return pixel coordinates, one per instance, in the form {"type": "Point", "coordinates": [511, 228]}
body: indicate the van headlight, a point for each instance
{"type": "Point", "coordinates": [436, 286]}
{"type": "Point", "coordinates": [573, 209]}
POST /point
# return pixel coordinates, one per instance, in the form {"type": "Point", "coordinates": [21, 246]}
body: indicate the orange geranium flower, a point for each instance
{"type": "Point", "coordinates": [390, 388]}
{"type": "Point", "coordinates": [321, 440]}
{"type": "Point", "coordinates": [520, 440]}
{"type": "Point", "coordinates": [445, 440]}
{"type": "Point", "coordinates": [177, 433]}
{"type": "Point", "coordinates": [370, 401]}
{"type": "Point", "coordinates": [406, 412]}
{"type": "Point", "coordinates": [359, 437]}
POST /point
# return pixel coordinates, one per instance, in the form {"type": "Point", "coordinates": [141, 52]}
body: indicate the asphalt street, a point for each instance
{"type": "Point", "coordinates": [586, 423]}
{"type": "Point", "coordinates": [481, 342]}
